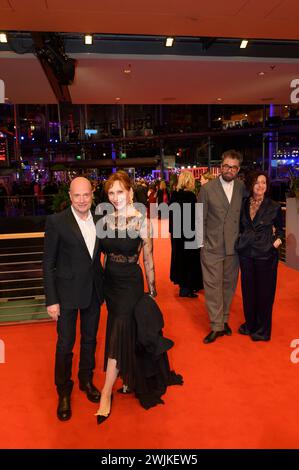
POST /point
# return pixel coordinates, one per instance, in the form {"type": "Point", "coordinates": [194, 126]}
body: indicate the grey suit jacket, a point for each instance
{"type": "Point", "coordinates": [221, 219]}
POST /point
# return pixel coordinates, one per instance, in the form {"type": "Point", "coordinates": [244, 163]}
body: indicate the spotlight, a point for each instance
{"type": "Point", "coordinates": [3, 37]}
{"type": "Point", "coordinates": [243, 44]}
{"type": "Point", "coordinates": [88, 39]}
{"type": "Point", "coordinates": [169, 42]}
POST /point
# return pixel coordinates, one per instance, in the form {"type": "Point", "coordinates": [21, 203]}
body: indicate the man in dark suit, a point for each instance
{"type": "Point", "coordinates": [73, 279]}
{"type": "Point", "coordinates": [222, 199]}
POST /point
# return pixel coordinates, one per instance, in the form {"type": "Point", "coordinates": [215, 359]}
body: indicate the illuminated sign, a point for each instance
{"type": "Point", "coordinates": [3, 149]}
{"type": "Point", "coordinates": [90, 131]}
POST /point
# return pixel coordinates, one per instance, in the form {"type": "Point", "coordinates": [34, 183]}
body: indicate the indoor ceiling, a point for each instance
{"type": "Point", "coordinates": [139, 69]}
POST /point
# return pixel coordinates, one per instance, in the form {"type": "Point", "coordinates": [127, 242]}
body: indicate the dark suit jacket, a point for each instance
{"type": "Point", "coordinates": [256, 236]}
{"type": "Point", "coordinates": [70, 275]}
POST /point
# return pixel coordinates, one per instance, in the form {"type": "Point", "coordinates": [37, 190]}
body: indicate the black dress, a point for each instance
{"type": "Point", "coordinates": [148, 375]}
{"type": "Point", "coordinates": [185, 267]}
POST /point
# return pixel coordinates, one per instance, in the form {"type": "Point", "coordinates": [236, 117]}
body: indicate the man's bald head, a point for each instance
{"type": "Point", "coordinates": [80, 182]}
{"type": "Point", "coordinates": [81, 196]}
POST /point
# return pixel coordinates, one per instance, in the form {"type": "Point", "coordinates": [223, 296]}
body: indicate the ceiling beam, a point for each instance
{"type": "Point", "coordinates": [61, 91]}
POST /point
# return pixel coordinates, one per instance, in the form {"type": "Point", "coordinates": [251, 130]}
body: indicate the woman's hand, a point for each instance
{"type": "Point", "coordinates": [277, 243]}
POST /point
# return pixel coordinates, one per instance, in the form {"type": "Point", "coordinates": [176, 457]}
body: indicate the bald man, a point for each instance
{"type": "Point", "coordinates": [73, 280]}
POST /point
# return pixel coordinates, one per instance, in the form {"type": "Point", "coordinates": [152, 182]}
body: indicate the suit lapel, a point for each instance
{"type": "Point", "coordinates": [235, 192]}
{"type": "Point", "coordinates": [259, 215]}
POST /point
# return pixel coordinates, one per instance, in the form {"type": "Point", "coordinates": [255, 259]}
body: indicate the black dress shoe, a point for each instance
{"type": "Point", "coordinates": [64, 411]}
{"type": "Point", "coordinates": [256, 337]}
{"type": "Point", "coordinates": [191, 295]}
{"type": "Point", "coordinates": [227, 329]}
{"type": "Point", "coordinates": [92, 392]}
{"type": "Point", "coordinates": [243, 330]}
{"type": "Point", "coordinates": [102, 418]}
{"type": "Point", "coordinates": [212, 336]}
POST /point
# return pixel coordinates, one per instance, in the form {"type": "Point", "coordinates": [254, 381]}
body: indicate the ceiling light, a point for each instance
{"type": "Point", "coordinates": [261, 74]}
{"type": "Point", "coordinates": [169, 42]}
{"type": "Point", "coordinates": [127, 70]}
{"type": "Point", "coordinates": [88, 39]}
{"type": "Point", "coordinates": [219, 99]}
{"type": "Point", "coordinates": [3, 37]}
{"type": "Point", "coordinates": [243, 44]}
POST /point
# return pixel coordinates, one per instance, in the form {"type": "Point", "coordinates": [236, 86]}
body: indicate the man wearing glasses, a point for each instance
{"type": "Point", "coordinates": [222, 199]}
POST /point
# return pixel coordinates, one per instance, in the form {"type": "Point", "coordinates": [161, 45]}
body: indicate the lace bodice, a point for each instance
{"type": "Point", "coordinates": [124, 237]}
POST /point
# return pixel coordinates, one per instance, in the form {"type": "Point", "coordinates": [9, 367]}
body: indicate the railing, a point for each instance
{"type": "Point", "coordinates": [22, 205]}
{"type": "Point", "coordinates": [21, 280]}
{"type": "Point", "coordinates": [282, 250]}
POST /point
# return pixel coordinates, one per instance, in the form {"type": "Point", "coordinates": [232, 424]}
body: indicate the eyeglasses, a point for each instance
{"type": "Point", "coordinates": [230, 167]}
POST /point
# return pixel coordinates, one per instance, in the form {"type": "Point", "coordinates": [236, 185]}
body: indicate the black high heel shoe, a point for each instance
{"type": "Point", "coordinates": [124, 390]}
{"type": "Point", "coordinates": [102, 418]}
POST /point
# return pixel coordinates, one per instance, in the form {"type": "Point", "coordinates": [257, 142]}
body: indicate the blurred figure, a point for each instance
{"type": "Point", "coordinates": [140, 192]}
{"type": "Point", "coordinates": [151, 201]}
{"type": "Point", "coordinates": [162, 195]}
{"type": "Point", "coordinates": [206, 177]}
{"type": "Point", "coordinates": [3, 196]}
{"type": "Point", "coordinates": [185, 269]}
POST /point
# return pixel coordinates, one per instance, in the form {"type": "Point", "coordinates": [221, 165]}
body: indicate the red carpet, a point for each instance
{"type": "Point", "coordinates": [237, 393]}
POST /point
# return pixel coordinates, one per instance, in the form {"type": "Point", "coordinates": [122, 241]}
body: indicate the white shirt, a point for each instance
{"type": "Point", "coordinates": [228, 188]}
{"type": "Point", "coordinates": [88, 230]}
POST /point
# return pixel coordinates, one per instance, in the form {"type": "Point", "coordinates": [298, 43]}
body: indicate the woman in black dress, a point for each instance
{"type": "Point", "coordinates": [185, 268]}
{"type": "Point", "coordinates": [261, 232]}
{"type": "Point", "coordinates": [135, 348]}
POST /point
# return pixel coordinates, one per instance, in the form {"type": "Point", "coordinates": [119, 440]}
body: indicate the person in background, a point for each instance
{"type": "Point", "coordinates": [162, 195]}
{"type": "Point", "coordinates": [3, 198]}
{"type": "Point", "coordinates": [261, 232]}
{"type": "Point", "coordinates": [151, 201]}
{"type": "Point", "coordinates": [206, 177]}
{"type": "Point", "coordinates": [185, 268]}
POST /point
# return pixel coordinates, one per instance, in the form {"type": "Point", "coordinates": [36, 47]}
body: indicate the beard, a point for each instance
{"type": "Point", "coordinates": [228, 177]}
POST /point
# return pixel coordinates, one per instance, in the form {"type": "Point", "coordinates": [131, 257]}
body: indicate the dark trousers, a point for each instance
{"type": "Point", "coordinates": [66, 330]}
{"type": "Point", "coordinates": [258, 280]}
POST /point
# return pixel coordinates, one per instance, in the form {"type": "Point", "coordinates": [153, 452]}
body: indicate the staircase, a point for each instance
{"type": "Point", "coordinates": [21, 279]}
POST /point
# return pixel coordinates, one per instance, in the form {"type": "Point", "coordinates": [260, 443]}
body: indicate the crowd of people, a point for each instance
{"type": "Point", "coordinates": [242, 227]}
